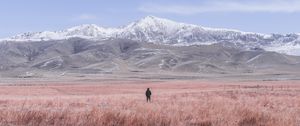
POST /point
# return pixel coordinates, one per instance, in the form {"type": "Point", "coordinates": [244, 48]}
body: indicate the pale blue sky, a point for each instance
{"type": "Point", "coordinates": [264, 16]}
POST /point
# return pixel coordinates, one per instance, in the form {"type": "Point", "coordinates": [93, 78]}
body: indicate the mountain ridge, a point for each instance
{"type": "Point", "coordinates": [163, 31]}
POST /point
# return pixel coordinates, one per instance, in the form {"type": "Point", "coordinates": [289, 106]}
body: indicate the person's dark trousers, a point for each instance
{"type": "Point", "coordinates": [148, 99]}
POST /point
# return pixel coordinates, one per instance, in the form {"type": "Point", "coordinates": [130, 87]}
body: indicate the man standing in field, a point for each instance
{"type": "Point", "coordinates": [148, 95]}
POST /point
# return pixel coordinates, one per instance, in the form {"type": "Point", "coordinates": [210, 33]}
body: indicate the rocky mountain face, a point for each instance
{"type": "Point", "coordinates": [166, 32]}
{"type": "Point", "coordinates": [122, 55]}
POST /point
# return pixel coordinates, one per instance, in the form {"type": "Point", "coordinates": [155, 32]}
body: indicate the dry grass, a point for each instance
{"type": "Point", "coordinates": [185, 103]}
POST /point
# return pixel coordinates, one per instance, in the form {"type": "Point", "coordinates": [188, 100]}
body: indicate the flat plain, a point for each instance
{"type": "Point", "coordinates": [174, 102]}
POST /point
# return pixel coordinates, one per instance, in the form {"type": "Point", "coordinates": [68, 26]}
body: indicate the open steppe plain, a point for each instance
{"type": "Point", "coordinates": [175, 102]}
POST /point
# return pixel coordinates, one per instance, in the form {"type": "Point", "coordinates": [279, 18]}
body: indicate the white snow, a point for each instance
{"type": "Point", "coordinates": [287, 49]}
{"type": "Point", "coordinates": [252, 59]}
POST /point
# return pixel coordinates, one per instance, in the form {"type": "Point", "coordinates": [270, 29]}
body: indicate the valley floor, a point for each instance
{"type": "Point", "coordinates": [174, 103]}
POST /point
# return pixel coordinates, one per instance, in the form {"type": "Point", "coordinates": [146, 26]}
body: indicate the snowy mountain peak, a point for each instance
{"type": "Point", "coordinates": [87, 31]}
{"type": "Point", "coordinates": [91, 31]}
{"type": "Point", "coordinates": [85, 27]}
{"type": "Point", "coordinates": [163, 31]}
{"type": "Point", "coordinates": [154, 23]}
{"type": "Point", "coordinates": [152, 20]}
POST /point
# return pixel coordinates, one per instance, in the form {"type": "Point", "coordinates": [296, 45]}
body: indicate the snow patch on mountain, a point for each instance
{"type": "Point", "coordinates": [288, 48]}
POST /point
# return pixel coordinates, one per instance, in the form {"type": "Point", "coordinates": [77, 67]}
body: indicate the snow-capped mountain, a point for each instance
{"type": "Point", "coordinates": [87, 31]}
{"type": "Point", "coordinates": [164, 31]}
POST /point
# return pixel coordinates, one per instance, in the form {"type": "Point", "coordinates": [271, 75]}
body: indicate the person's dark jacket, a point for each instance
{"type": "Point", "coordinates": [148, 93]}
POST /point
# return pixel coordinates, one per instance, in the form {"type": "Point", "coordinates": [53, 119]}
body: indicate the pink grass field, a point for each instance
{"type": "Point", "coordinates": [174, 103]}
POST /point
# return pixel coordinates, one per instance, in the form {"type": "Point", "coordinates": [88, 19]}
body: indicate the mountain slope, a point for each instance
{"type": "Point", "coordinates": [85, 56]}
